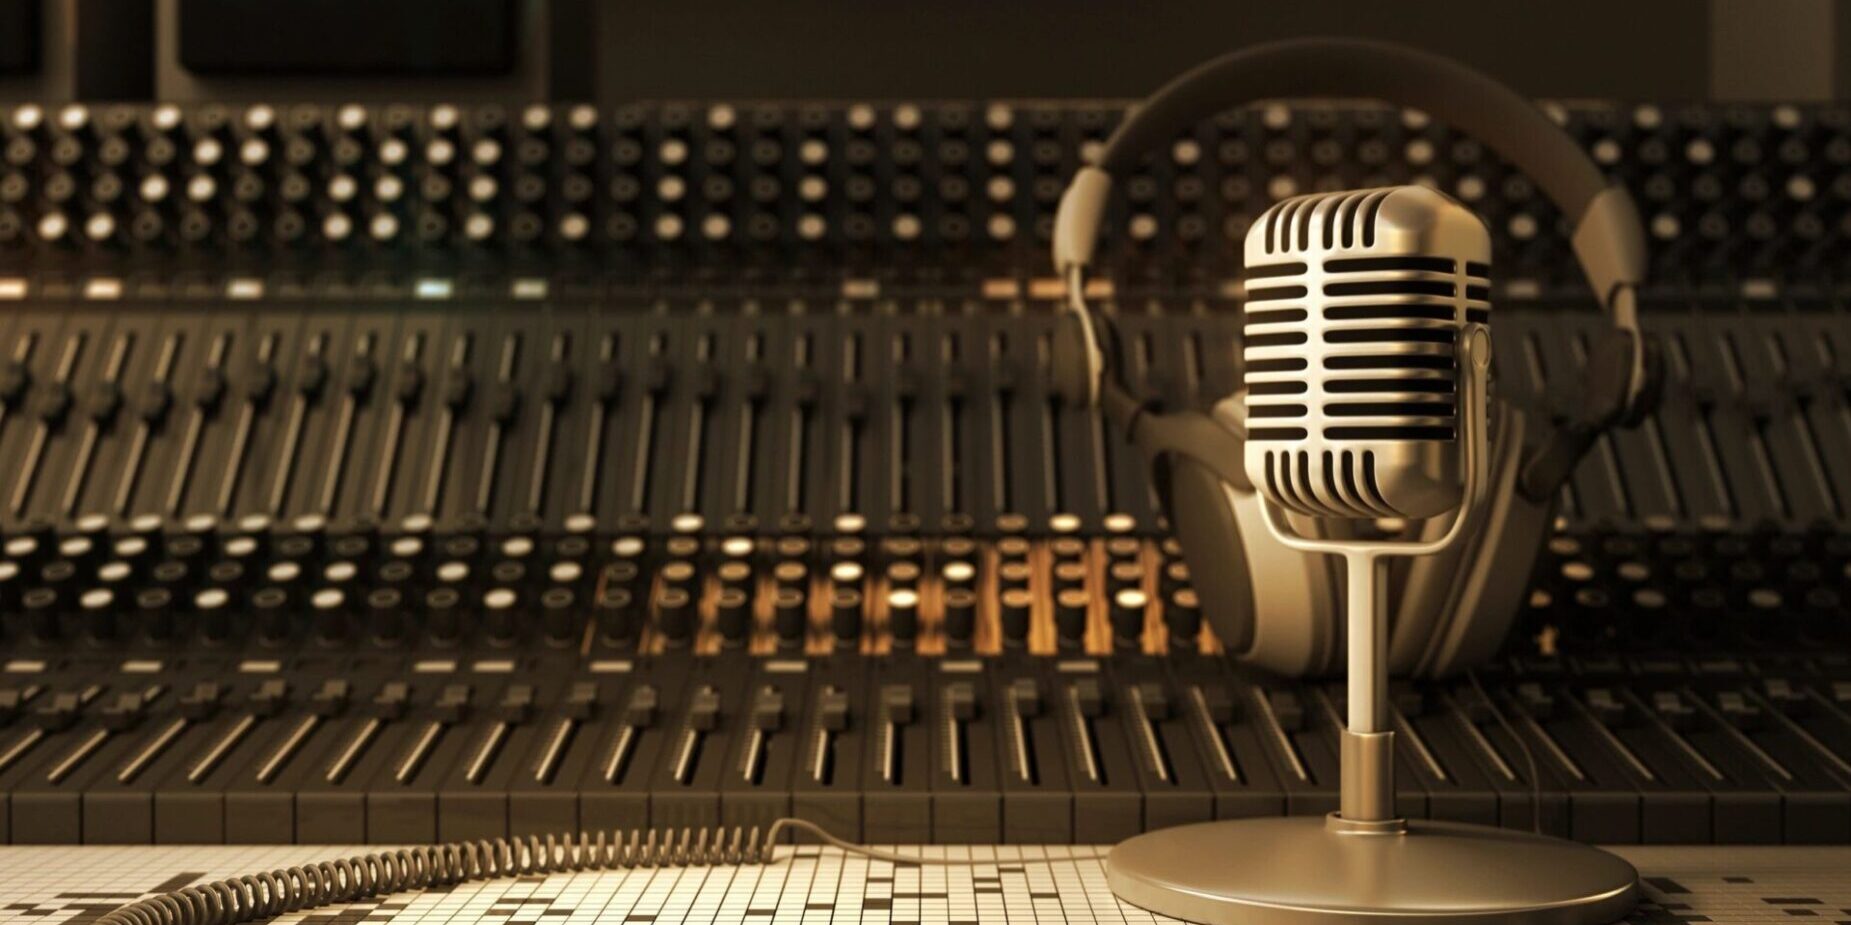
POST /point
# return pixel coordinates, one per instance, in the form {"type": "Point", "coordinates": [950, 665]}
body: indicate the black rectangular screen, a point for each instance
{"type": "Point", "coordinates": [927, 49]}
{"type": "Point", "coordinates": [418, 38]}
{"type": "Point", "coordinates": [19, 36]}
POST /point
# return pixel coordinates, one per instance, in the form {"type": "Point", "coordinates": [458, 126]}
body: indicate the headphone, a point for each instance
{"type": "Point", "coordinates": [1278, 608]}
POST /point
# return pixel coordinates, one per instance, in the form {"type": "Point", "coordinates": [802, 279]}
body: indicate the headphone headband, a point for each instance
{"type": "Point", "coordinates": [1608, 237]}
{"type": "Point", "coordinates": [1196, 458]}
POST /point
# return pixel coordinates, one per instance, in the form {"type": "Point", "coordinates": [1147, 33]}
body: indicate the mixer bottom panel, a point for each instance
{"type": "Point", "coordinates": [69, 886]}
{"type": "Point", "coordinates": [356, 748]}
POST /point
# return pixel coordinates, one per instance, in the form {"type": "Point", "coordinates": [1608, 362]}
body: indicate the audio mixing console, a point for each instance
{"type": "Point", "coordinates": [391, 474]}
{"type": "Point", "coordinates": [947, 190]}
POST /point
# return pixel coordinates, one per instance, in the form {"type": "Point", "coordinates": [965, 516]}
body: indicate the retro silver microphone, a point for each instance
{"type": "Point", "coordinates": [1367, 348]}
{"type": "Point", "coordinates": [1356, 303]}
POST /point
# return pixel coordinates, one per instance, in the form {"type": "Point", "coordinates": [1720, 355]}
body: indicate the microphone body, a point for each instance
{"type": "Point", "coordinates": [1367, 347]}
{"type": "Point", "coordinates": [1356, 306]}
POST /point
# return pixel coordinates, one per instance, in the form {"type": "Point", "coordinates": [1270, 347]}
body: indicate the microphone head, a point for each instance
{"type": "Point", "coordinates": [1355, 303]}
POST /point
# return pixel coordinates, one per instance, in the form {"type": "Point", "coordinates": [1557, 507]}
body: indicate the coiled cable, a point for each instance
{"type": "Point", "coordinates": [237, 900]}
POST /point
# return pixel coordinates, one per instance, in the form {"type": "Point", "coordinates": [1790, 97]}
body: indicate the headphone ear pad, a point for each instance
{"type": "Point", "coordinates": [1203, 520]}
{"type": "Point", "coordinates": [1494, 581]}
{"type": "Point", "coordinates": [1290, 625]}
{"type": "Point", "coordinates": [1454, 609]}
{"type": "Point", "coordinates": [1287, 625]}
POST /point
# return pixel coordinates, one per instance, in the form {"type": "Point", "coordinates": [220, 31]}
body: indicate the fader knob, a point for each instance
{"type": "Point", "coordinates": [959, 575]}
{"type": "Point", "coordinates": [269, 698]}
{"type": "Point", "coordinates": [202, 701]}
{"type": "Point", "coordinates": [1674, 711]}
{"type": "Point", "coordinates": [1605, 707]}
{"type": "Point", "coordinates": [213, 609]}
{"type": "Point", "coordinates": [791, 576]}
{"type": "Point", "coordinates": [1128, 617]}
{"type": "Point", "coordinates": [640, 709]}
{"type": "Point", "coordinates": [1013, 574]}
{"type": "Point", "coordinates": [99, 607]}
{"type": "Point", "coordinates": [559, 615]}
{"type": "Point", "coordinates": [1175, 576]}
{"type": "Point", "coordinates": [896, 704]}
{"type": "Point", "coordinates": [1025, 697]}
{"type": "Point", "coordinates": [960, 617]}
{"type": "Point", "coordinates": [581, 701]}
{"type": "Point", "coordinates": [498, 615]}
{"type": "Point", "coordinates": [386, 616]}
{"type": "Point", "coordinates": [704, 710]}
{"type": "Point", "coordinates": [1089, 697]}
{"type": "Point", "coordinates": [675, 616]}
{"type": "Point", "coordinates": [789, 616]}
{"type": "Point", "coordinates": [845, 615]}
{"type": "Point", "coordinates": [832, 710]}
{"type": "Point", "coordinates": [960, 701]}
{"type": "Point", "coordinates": [1015, 612]}
{"type": "Point", "coordinates": [734, 615]}
{"type": "Point", "coordinates": [443, 615]}
{"type": "Point", "coordinates": [903, 617]}
{"type": "Point", "coordinates": [59, 714]}
{"type": "Point", "coordinates": [270, 609]}
{"type": "Point", "coordinates": [1183, 616]}
{"type": "Point", "coordinates": [616, 615]}
{"type": "Point", "coordinates": [330, 607]}
{"type": "Point", "coordinates": [1124, 575]}
{"type": "Point", "coordinates": [903, 574]}
{"type": "Point", "coordinates": [735, 575]}
{"type": "Point", "coordinates": [1070, 617]}
{"type": "Point", "coordinates": [154, 612]}
{"type": "Point", "coordinates": [124, 713]}
{"type": "Point", "coordinates": [453, 703]}
{"type": "Point", "coordinates": [679, 576]}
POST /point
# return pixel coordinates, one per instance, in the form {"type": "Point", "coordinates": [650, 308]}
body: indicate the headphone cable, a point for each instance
{"type": "Point", "coordinates": [265, 895]}
{"type": "Point", "coordinates": [894, 857]}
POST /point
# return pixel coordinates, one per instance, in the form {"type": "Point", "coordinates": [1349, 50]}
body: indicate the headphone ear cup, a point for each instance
{"type": "Point", "coordinates": [1074, 369]}
{"type": "Point", "coordinates": [1453, 610]}
{"type": "Point", "coordinates": [1272, 607]}
{"type": "Point", "coordinates": [1202, 516]}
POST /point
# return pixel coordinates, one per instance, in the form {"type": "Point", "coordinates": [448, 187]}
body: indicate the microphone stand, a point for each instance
{"type": "Point", "coordinates": [1364, 862]}
{"type": "Point", "coordinates": [1366, 761]}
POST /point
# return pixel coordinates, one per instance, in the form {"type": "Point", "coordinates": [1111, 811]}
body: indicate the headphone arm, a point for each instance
{"type": "Point", "coordinates": [1623, 380]}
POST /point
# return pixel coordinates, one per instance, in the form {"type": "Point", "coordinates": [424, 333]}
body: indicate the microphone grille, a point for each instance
{"type": "Point", "coordinates": [1354, 306]}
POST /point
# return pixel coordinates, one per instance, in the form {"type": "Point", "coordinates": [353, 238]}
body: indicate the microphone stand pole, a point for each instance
{"type": "Point", "coordinates": [1366, 762]}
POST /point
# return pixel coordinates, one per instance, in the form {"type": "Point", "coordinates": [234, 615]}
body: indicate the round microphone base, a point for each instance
{"type": "Point", "coordinates": [1303, 870]}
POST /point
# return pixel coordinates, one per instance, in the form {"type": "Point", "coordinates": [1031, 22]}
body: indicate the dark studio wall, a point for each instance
{"type": "Point", "coordinates": [614, 50]}
{"type": "Point", "coordinates": [959, 48]}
